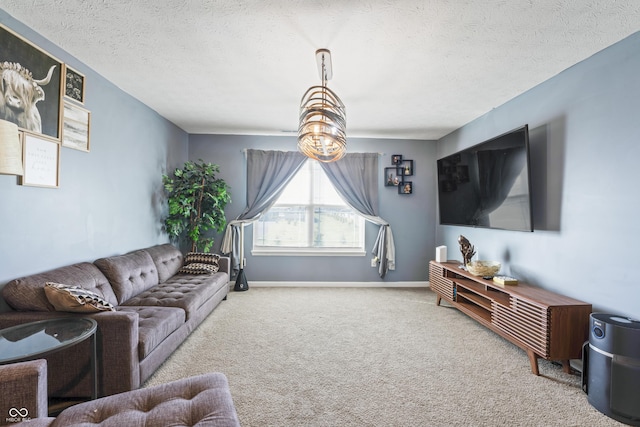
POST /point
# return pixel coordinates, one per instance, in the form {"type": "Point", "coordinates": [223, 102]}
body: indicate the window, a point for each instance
{"type": "Point", "coordinates": [309, 218]}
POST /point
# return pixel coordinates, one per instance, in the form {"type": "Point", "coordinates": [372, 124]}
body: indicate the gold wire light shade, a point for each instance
{"type": "Point", "coordinates": [10, 149]}
{"type": "Point", "coordinates": [322, 131]}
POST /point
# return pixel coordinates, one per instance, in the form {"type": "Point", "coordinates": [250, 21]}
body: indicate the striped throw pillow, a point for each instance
{"type": "Point", "coordinates": [75, 299]}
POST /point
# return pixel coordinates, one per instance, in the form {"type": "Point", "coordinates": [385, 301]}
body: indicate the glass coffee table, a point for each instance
{"type": "Point", "coordinates": [35, 340]}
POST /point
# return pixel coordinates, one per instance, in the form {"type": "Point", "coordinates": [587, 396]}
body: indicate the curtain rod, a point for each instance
{"type": "Point", "coordinates": [244, 150]}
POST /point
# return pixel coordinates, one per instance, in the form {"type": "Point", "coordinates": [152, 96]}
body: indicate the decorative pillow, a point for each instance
{"type": "Point", "coordinates": [201, 257]}
{"type": "Point", "coordinates": [75, 299]}
{"type": "Point", "coordinates": [198, 268]}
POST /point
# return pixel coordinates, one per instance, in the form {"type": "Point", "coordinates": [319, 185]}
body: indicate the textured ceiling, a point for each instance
{"type": "Point", "coordinates": [404, 69]}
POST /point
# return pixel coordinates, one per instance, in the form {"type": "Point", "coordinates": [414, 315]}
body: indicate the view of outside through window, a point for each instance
{"type": "Point", "coordinates": [309, 214]}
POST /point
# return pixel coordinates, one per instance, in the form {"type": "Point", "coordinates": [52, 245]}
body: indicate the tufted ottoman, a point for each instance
{"type": "Point", "coordinates": [203, 400]}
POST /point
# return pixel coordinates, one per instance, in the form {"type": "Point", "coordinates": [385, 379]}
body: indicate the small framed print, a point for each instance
{"type": "Point", "coordinates": [41, 161]}
{"type": "Point", "coordinates": [76, 122]}
{"type": "Point", "coordinates": [73, 84]}
{"type": "Point", "coordinates": [407, 167]}
{"type": "Point", "coordinates": [393, 176]}
{"type": "Point", "coordinates": [396, 159]}
{"type": "Point", "coordinates": [405, 187]}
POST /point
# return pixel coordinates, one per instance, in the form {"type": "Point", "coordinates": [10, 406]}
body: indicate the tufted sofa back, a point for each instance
{"type": "Point", "coordinates": [116, 278]}
{"type": "Point", "coordinates": [129, 274]}
{"type": "Point", "coordinates": [168, 260]}
{"type": "Point", "coordinates": [27, 293]}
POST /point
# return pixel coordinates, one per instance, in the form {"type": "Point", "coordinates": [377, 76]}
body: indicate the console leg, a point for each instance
{"type": "Point", "coordinates": [533, 359]}
{"type": "Point", "coordinates": [566, 366]}
{"type": "Point", "coordinates": [438, 298]}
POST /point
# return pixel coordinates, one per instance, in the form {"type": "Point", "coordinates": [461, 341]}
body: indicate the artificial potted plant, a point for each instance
{"type": "Point", "coordinates": [196, 204]}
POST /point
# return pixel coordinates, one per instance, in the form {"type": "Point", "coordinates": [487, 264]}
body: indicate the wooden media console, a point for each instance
{"type": "Point", "coordinates": [545, 324]}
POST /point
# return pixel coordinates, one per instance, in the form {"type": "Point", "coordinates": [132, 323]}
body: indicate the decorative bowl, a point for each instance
{"type": "Point", "coordinates": [483, 268]}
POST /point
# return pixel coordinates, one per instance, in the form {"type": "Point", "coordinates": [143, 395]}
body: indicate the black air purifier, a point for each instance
{"type": "Point", "coordinates": [611, 367]}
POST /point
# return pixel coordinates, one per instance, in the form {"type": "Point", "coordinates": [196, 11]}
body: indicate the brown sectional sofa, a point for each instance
{"type": "Point", "coordinates": [156, 309]}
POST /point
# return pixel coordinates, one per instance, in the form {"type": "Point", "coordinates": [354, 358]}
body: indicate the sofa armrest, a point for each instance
{"type": "Point", "coordinates": [225, 265]}
{"type": "Point", "coordinates": [117, 353]}
{"type": "Point", "coordinates": [119, 365]}
{"type": "Point", "coordinates": [23, 387]}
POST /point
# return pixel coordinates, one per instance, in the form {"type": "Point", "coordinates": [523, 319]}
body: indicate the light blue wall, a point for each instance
{"type": "Point", "coordinates": [109, 199]}
{"type": "Point", "coordinates": [412, 217]}
{"type": "Point", "coordinates": [585, 143]}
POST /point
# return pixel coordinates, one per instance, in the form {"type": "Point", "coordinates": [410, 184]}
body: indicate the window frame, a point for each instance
{"type": "Point", "coordinates": [313, 251]}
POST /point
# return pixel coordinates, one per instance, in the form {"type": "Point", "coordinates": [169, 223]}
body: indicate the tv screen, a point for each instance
{"type": "Point", "coordinates": [488, 185]}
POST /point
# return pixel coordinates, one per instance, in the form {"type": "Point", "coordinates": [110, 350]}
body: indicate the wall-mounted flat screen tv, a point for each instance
{"type": "Point", "coordinates": [488, 185]}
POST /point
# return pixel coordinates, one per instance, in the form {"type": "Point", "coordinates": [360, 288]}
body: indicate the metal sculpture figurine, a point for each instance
{"type": "Point", "coordinates": [467, 249]}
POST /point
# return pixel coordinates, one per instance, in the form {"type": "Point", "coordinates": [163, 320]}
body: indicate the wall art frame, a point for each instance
{"type": "Point", "coordinates": [36, 76]}
{"type": "Point", "coordinates": [462, 174]}
{"type": "Point", "coordinates": [407, 167]}
{"type": "Point", "coordinates": [41, 156]}
{"type": "Point", "coordinates": [448, 185]}
{"type": "Point", "coordinates": [392, 176]}
{"type": "Point", "coordinates": [76, 127]}
{"type": "Point", "coordinates": [74, 84]}
{"type": "Point", "coordinates": [405, 187]}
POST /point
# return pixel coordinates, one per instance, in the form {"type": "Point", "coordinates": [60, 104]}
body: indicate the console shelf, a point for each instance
{"type": "Point", "coordinates": [544, 324]}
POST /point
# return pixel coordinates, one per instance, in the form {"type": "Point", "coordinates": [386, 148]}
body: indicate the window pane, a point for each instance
{"type": "Point", "coordinates": [283, 226]}
{"type": "Point", "coordinates": [310, 214]}
{"type": "Point", "coordinates": [323, 191]}
{"type": "Point", "coordinates": [298, 191]}
{"type": "Point", "coordinates": [335, 227]}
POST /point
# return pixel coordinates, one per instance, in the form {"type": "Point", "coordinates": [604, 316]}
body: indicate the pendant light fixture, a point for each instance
{"type": "Point", "coordinates": [322, 131]}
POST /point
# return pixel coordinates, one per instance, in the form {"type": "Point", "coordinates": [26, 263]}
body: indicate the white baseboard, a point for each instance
{"type": "Point", "coordinates": [267, 284]}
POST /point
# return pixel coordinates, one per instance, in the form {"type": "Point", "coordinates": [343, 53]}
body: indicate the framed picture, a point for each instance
{"type": "Point", "coordinates": [41, 156]}
{"type": "Point", "coordinates": [396, 159]}
{"type": "Point", "coordinates": [407, 167]}
{"type": "Point", "coordinates": [448, 185]}
{"type": "Point", "coordinates": [76, 123]}
{"type": "Point", "coordinates": [462, 174]}
{"type": "Point", "coordinates": [392, 176]}
{"type": "Point", "coordinates": [34, 80]}
{"type": "Point", "coordinates": [73, 84]}
{"type": "Point", "coordinates": [405, 187]}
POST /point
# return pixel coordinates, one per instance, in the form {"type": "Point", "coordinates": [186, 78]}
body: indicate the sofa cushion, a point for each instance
{"type": "Point", "coordinates": [167, 258]}
{"type": "Point", "coordinates": [27, 293]}
{"type": "Point", "coordinates": [154, 325]}
{"type": "Point", "coordinates": [184, 291]}
{"type": "Point", "coordinates": [129, 274]}
{"type": "Point", "coordinates": [75, 299]}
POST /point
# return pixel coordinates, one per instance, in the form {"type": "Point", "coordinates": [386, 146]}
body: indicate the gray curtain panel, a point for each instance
{"type": "Point", "coordinates": [355, 178]}
{"type": "Point", "coordinates": [268, 173]}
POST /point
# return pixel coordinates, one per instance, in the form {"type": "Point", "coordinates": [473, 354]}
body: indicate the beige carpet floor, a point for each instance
{"type": "Point", "coordinates": [372, 357]}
